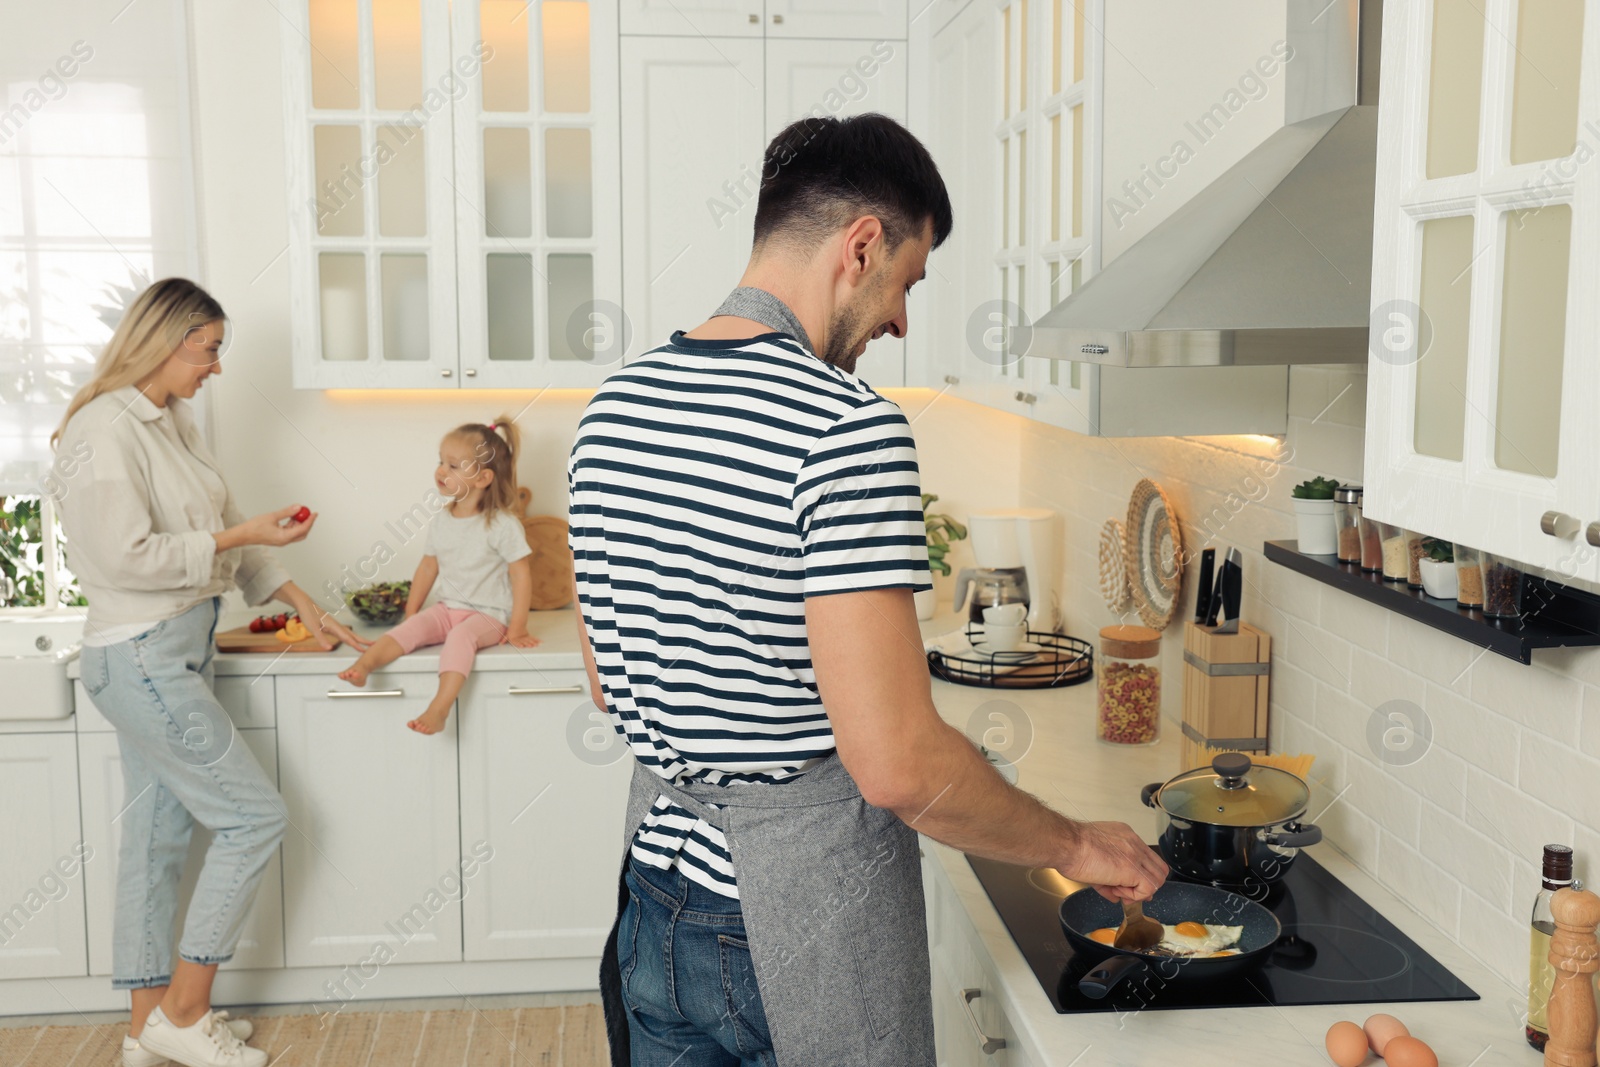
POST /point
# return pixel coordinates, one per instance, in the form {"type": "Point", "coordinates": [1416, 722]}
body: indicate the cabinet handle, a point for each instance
{"type": "Point", "coordinates": [1557, 524]}
{"type": "Point", "coordinates": [986, 1044]}
{"type": "Point", "coordinates": [1025, 398]}
{"type": "Point", "coordinates": [951, 379]}
{"type": "Point", "coordinates": [447, 372]}
{"type": "Point", "coordinates": [778, 19]}
{"type": "Point", "coordinates": [472, 372]}
{"type": "Point", "coordinates": [755, 19]}
{"type": "Point", "coordinates": [1591, 534]}
{"type": "Point", "coordinates": [541, 690]}
{"type": "Point", "coordinates": [351, 694]}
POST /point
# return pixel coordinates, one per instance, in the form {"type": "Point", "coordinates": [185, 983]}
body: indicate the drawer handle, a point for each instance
{"type": "Point", "coordinates": [350, 694]}
{"type": "Point", "coordinates": [540, 690]}
{"type": "Point", "coordinates": [986, 1044]}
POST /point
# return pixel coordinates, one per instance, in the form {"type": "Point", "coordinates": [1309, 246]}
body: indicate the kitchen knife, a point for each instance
{"type": "Point", "coordinates": [1202, 596]}
{"type": "Point", "coordinates": [1231, 582]}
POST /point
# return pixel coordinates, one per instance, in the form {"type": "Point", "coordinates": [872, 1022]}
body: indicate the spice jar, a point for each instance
{"type": "Point", "coordinates": [1396, 557]}
{"type": "Point", "coordinates": [1502, 587]}
{"type": "Point", "coordinates": [1415, 551]}
{"type": "Point", "coordinates": [1129, 683]}
{"type": "Point", "coordinates": [1371, 545]}
{"type": "Point", "coordinates": [1469, 577]}
{"type": "Point", "coordinates": [1347, 521]}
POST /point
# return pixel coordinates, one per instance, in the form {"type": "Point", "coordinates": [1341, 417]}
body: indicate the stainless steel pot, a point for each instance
{"type": "Point", "coordinates": [1233, 823]}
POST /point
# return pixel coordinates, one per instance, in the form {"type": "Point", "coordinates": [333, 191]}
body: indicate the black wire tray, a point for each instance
{"type": "Point", "coordinates": [1057, 661]}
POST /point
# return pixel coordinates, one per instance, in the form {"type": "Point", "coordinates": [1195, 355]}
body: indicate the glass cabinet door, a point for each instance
{"type": "Point", "coordinates": [537, 228]}
{"type": "Point", "coordinates": [371, 220]}
{"type": "Point", "coordinates": [1484, 365]}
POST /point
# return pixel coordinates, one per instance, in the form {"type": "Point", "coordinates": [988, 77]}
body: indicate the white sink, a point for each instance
{"type": "Point", "coordinates": [36, 645]}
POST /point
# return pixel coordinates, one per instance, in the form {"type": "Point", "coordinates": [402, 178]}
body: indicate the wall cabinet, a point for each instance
{"type": "Point", "coordinates": [770, 18]}
{"type": "Point", "coordinates": [1484, 362]}
{"type": "Point", "coordinates": [104, 803]}
{"type": "Point", "coordinates": [450, 176]}
{"type": "Point", "coordinates": [547, 790]}
{"type": "Point", "coordinates": [373, 854]}
{"type": "Point", "coordinates": [697, 115]}
{"type": "Point", "coordinates": [44, 870]}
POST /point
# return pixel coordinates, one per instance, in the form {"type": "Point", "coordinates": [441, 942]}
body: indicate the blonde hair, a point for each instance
{"type": "Point", "coordinates": [152, 328]}
{"type": "Point", "coordinates": [494, 447]}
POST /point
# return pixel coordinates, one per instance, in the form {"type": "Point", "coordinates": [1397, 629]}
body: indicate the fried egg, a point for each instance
{"type": "Point", "coordinates": [1199, 939]}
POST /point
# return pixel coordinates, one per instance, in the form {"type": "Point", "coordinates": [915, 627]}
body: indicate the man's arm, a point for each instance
{"type": "Point", "coordinates": [874, 683]}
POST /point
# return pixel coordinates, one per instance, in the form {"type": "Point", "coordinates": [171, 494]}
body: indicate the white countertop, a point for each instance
{"type": "Point", "coordinates": [1084, 779]}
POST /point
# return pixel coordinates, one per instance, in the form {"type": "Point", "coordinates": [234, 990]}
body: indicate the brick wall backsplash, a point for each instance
{"type": "Point", "coordinates": [1454, 825]}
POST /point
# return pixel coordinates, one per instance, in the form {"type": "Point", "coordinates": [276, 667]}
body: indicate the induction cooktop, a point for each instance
{"type": "Point", "coordinates": [1335, 949]}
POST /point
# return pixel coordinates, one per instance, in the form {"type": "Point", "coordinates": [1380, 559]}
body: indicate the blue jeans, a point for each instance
{"type": "Point", "coordinates": [182, 763]}
{"type": "Point", "coordinates": [687, 978]}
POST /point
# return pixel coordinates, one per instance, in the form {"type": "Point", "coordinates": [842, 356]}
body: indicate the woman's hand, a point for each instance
{"type": "Point", "coordinates": [266, 529]}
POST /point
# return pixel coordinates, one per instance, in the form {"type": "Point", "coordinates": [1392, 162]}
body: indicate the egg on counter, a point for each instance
{"type": "Point", "coordinates": [1381, 1029]}
{"type": "Point", "coordinates": [1347, 1045]}
{"type": "Point", "coordinates": [1407, 1051]}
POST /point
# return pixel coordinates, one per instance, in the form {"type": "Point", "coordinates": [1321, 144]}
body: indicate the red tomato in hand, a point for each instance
{"type": "Point", "coordinates": [302, 515]}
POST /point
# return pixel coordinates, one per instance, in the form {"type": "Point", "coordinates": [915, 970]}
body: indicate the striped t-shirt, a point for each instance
{"type": "Point", "coordinates": [715, 485]}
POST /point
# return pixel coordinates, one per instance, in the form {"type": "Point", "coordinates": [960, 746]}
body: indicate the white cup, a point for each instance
{"type": "Point", "coordinates": [1004, 615]}
{"type": "Point", "coordinates": [1004, 638]}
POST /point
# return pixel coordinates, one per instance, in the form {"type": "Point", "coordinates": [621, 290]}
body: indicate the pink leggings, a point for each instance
{"type": "Point", "coordinates": [461, 631]}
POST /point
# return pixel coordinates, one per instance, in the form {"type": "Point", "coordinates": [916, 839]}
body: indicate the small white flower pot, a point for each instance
{"type": "Point", "coordinates": [1438, 579]}
{"type": "Point", "coordinates": [1314, 519]}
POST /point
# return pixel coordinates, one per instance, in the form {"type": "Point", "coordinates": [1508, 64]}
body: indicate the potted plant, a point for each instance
{"type": "Point", "coordinates": [1313, 512]}
{"type": "Point", "coordinates": [942, 532]}
{"type": "Point", "coordinates": [1438, 568]}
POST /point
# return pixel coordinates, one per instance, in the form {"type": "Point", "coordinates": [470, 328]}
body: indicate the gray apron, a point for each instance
{"type": "Point", "coordinates": [830, 887]}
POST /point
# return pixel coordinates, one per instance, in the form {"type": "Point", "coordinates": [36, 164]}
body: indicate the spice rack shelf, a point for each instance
{"type": "Point", "coordinates": [1553, 615]}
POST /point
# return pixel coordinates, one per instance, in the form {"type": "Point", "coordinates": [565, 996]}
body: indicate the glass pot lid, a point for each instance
{"type": "Point", "coordinates": [1235, 792]}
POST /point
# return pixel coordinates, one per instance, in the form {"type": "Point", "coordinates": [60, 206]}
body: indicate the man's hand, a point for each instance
{"type": "Point", "coordinates": [1111, 857]}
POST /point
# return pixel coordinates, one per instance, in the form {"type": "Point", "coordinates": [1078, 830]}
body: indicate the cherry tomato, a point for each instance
{"type": "Point", "coordinates": [302, 515]}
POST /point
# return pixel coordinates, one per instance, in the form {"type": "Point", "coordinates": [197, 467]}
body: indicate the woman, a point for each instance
{"type": "Point", "coordinates": [156, 539]}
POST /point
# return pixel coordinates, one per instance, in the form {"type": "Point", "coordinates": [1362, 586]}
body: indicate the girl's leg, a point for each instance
{"type": "Point", "coordinates": [427, 627]}
{"type": "Point", "coordinates": [470, 631]}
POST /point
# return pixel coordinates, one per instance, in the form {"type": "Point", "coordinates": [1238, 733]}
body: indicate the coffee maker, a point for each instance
{"type": "Point", "coordinates": [1015, 552]}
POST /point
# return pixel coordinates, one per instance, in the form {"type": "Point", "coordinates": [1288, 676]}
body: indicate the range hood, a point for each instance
{"type": "Point", "coordinates": [1269, 264]}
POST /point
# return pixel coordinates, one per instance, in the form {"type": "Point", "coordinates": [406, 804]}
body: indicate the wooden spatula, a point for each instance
{"type": "Point", "coordinates": [1137, 933]}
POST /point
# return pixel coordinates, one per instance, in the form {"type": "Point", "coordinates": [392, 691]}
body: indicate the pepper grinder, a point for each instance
{"type": "Point", "coordinates": [1575, 955]}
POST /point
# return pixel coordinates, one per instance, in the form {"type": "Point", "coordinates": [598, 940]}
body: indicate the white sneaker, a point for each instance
{"type": "Point", "coordinates": [136, 1055]}
{"type": "Point", "coordinates": [207, 1043]}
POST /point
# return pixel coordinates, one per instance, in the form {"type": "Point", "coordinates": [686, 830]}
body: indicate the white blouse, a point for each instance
{"type": "Point", "coordinates": [139, 505]}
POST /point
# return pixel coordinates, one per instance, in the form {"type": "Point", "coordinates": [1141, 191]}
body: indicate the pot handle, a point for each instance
{"type": "Point", "coordinates": [1296, 836]}
{"type": "Point", "coordinates": [1148, 794]}
{"type": "Point", "coordinates": [1099, 983]}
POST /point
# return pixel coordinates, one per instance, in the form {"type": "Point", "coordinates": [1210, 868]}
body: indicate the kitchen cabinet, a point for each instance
{"type": "Point", "coordinates": [697, 115]}
{"type": "Point", "coordinates": [545, 784]}
{"type": "Point", "coordinates": [970, 1025]}
{"type": "Point", "coordinates": [105, 801]}
{"type": "Point", "coordinates": [450, 169]}
{"type": "Point", "coordinates": [372, 856]}
{"type": "Point", "coordinates": [1484, 361]}
{"type": "Point", "coordinates": [770, 18]}
{"type": "Point", "coordinates": [42, 878]}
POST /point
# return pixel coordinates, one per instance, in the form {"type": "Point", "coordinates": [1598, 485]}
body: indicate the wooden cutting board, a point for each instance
{"type": "Point", "coordinates": [240, 639]}
{"type": "Point", "coordinates": [551, 562]}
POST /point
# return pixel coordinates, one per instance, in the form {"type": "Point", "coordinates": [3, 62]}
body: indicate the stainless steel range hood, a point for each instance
{"type": "Point", "coordinates": [1269, 264]}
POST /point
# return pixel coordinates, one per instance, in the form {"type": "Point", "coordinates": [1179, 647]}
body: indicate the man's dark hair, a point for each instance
{"type": "Point", "coordinates": [821, 174]}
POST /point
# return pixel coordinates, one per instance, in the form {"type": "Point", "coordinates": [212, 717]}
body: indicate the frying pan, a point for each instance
{"type": "Point", "coordinates": [1175, 902]}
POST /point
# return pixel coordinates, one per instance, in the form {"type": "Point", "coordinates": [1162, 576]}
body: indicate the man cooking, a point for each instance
{"type": "Point", "coordinates": [747, 534]}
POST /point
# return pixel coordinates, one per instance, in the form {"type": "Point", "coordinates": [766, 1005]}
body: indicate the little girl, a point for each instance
{"type": "Point", "coordinates": [477, 550]}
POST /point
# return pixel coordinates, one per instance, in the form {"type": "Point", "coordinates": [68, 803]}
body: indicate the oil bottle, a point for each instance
{"type": "Point", "coordinates": [1557, 875]}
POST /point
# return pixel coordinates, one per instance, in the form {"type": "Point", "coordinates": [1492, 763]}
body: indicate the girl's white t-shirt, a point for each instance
{"type": "Point", "coordinates": [473, 556]}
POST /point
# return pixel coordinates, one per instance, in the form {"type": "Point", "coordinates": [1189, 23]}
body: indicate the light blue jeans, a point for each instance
{"type": "Point", "coordinates": [182, 763]}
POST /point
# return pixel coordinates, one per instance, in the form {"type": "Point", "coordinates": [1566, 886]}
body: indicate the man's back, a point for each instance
{"type": "Point", "coordinates": [715, 485]}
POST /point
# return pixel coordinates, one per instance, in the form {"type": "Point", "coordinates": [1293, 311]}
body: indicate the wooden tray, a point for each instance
{"type": "Point", "coordinates": [240, 639]}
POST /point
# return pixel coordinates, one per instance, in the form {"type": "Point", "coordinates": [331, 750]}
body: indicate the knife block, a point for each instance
{"type": "Point", "coordinates": [1225, 689]}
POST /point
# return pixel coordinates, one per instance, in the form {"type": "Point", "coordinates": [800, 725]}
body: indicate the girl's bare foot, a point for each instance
{"type": "Point", "coordinates": [430, 721]}
{"type": "Point", "coordinates": [355, 674]}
